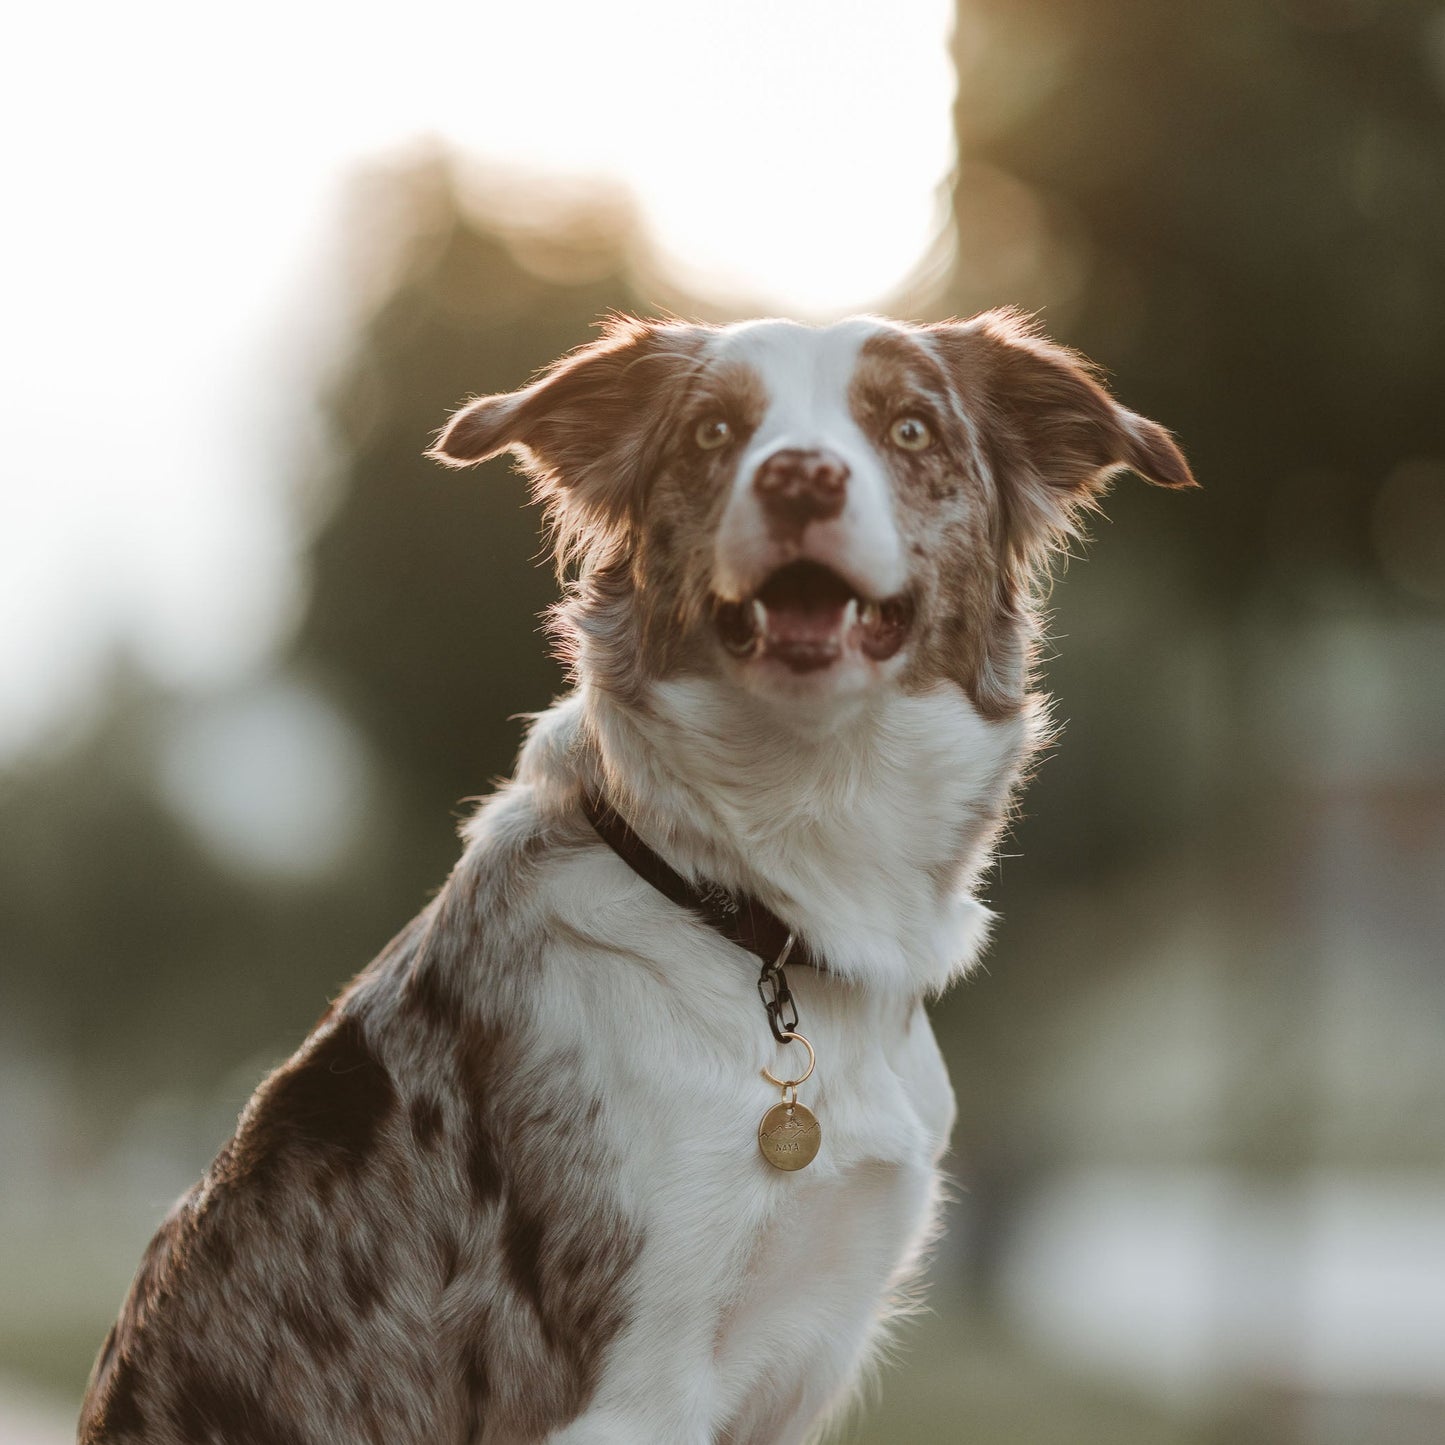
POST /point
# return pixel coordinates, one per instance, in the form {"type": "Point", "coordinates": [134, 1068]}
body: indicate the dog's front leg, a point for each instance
{"type": "Point", "coordinates": [659, 1385]}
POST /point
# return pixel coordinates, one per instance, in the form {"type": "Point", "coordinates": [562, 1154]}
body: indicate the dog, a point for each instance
{"type": "Point", "coordinates": [633, 1135]}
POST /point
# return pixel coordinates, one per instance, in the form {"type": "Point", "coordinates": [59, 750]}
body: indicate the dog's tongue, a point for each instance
{"type": "Point", "coordinates": [806, 616]}
{"type": "Point", "coordinates": [804, 606]}
{"type": "Point", "coordinates": [805, 636]}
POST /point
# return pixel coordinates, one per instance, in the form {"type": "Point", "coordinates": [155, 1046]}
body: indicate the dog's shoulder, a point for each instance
{"type": "Point", "coordinates": [381, 1235]}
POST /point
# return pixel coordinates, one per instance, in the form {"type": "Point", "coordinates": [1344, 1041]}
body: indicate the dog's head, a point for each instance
{"type": "Point", "coordinates": [814, 513]}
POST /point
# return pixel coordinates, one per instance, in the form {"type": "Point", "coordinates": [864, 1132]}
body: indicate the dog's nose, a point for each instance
{"type": "Point", "coordinates": [798, 487]}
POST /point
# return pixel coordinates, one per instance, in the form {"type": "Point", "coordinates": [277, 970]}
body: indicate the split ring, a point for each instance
{"type": "Point", "coordinates": [802, 1078]}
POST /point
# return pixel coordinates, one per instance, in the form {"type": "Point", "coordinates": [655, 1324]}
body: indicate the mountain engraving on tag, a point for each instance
{"type": "Point", "coordinates": [790, 1136]}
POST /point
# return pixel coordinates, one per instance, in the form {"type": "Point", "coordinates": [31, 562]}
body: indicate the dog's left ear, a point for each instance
{"type": "Point", "coordinates": [585, 429]}
{"type": "Point", "coordinates": [1053, 435]}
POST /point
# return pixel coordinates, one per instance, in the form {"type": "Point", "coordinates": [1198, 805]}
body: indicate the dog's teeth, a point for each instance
{"type": "Point", "coordinates": [850, 615]}
{"type": "Point", "coordinates": [760, 618]}
{"type": "Point", "coordinates": [869, 615]}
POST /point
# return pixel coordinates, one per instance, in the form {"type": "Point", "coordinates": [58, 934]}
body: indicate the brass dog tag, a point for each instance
{"type": "Point", "coordinates": [790, 1136]}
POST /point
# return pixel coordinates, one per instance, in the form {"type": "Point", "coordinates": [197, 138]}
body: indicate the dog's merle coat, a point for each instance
{"type": "Point", "coordinates": [507, 1191]}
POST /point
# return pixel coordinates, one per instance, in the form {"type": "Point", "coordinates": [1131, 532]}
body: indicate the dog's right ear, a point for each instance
{"type": "Point", "coordinates": [585, 430]}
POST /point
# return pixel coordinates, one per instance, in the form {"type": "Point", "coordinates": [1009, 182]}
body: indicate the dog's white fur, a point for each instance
{"type": "Point", "coordinates": [722, 1302]}
{"type": "Point", "coordinates": [850, 798]}
{"type": "Point", "coordinates": [807, 390]}
{"type": "Point", "coordinates": [761, 1291]}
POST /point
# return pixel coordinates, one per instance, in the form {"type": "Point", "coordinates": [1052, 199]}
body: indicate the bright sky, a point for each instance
{"type": "Point", "coordinates": [175, 174]}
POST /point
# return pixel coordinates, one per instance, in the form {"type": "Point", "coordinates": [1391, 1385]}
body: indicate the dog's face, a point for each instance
{"type": "Point", "coordinates": [813, 514]}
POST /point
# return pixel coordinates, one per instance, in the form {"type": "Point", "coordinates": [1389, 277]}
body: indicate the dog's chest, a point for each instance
{"type": "Point", "coordinates": [885, 1106]}
{"type": "Point", "coordinates": [819, 1249]}
{"type": "Point", "coordinates": [668, 1016]}
{"type": "Point", "coordinates": [745, 1266]}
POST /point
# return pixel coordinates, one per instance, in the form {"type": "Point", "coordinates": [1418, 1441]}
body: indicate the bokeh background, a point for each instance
{"type": "Point", "coordinates": [255, 652]}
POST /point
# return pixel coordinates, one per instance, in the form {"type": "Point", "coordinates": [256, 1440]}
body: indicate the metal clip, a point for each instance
{"type": "Point", "coordinates": [777, 997]}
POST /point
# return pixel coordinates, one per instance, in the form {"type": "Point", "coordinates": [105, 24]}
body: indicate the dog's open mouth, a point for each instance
{"type": "Point", "coordinates": [807, 617]}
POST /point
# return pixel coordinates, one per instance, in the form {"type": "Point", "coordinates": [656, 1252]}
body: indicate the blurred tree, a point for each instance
{"type": "Point", "coordinates": [131, 950]}
{"type": "Point", "coordinates": [1238, 209]}
{"type": "Point", "coordinates": [428, 586]}
{"type": "Point", "coordinates": [1239, 206]}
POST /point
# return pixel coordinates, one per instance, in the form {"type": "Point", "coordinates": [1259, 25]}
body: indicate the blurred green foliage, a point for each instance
{"type": "Point", "coordinates": [1237, 208]}
{"type": "Point", "coordinates": [428, 584]}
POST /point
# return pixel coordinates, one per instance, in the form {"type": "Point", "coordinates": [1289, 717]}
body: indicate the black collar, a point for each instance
{"type": "Point", "coordinates": [740, 918]}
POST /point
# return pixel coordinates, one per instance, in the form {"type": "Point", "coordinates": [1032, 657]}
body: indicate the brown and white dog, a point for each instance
{"type": "Point", "coordinates": [509, 1189]}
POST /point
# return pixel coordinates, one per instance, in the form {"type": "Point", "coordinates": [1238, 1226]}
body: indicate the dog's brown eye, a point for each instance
{"type": "Point", "coordinates": [911, 433]}
{"type": "Point", "coordinates": [711, 433]}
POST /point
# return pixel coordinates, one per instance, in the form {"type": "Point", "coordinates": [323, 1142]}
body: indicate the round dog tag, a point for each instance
{"type": "Point", "coordinates": [790, 1136]}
